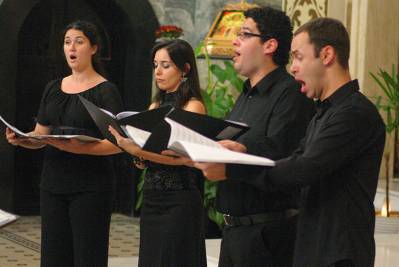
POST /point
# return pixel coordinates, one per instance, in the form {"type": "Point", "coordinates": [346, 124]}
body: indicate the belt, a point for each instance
{"type": "Point", "coordinates": [259, 218]}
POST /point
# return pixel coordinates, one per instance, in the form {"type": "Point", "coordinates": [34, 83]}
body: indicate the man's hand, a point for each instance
{"type": "Point", "coordinates": [212, 171]}
{"type": "Point", "coordinates": [234, 146]}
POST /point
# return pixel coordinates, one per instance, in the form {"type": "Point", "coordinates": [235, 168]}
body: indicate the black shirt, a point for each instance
{"type": "Point", "coordinates": [278, 115]}
{"type": "Point", "coordinates": [337, 165]}
{"type": "Point", "coordinates": [65, 172]}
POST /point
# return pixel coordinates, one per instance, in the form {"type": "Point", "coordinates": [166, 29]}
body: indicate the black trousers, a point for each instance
{"type": "Point", "coordinates": [261, 245]}
{"type": "Point", "coordinates": [75, 229]}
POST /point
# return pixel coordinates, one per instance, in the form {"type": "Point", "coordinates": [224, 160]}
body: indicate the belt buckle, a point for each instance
{"type": "Point", "coordinates": [226, 220]}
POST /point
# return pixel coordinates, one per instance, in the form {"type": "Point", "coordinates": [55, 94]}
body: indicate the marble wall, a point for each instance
{"type": "Point", "coordinates": [195, 17]}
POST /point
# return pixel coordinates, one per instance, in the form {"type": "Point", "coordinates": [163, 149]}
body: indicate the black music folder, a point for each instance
{"type": "Point", "coordinates": [210, 127]}
{"type": "Point", "coordinates": [144, 121]}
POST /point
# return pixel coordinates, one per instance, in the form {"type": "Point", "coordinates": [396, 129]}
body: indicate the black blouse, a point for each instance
{"type": "Point", "coordinates": [65, 172]}
{"type": "Point", "coordinates": [161, 177]}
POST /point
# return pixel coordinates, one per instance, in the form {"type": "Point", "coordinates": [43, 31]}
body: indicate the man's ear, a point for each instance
{"type": "Point", "coordinates": [270, 46]}
{"type": "Point", "coordinates": [328, 55]}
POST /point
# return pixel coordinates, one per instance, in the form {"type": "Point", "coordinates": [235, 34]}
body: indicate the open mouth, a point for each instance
{"type": "Point", "coordinates": [72, 57]}
{"type": "Point", "coordinates": [236, 55]}
{"type": "Point", "coordinates": [303, 86]}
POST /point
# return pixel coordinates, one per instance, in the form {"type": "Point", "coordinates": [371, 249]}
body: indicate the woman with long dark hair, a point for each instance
{"type": "Point", "coordinates": [171, 224]}
{"type": "Point", "coordinates": [75, 190]}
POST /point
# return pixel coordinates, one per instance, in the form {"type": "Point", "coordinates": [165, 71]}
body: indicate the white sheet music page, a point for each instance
{"type": "Point", "coordinates": [138, 136]}
{"type": "Point", "coordinates": [6, 217]}
{"type": "Point", "coordinates": [202, 149]}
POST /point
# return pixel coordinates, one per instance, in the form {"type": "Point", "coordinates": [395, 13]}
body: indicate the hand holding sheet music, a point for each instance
{"type": "Point", "coordinates": [144, 121]}
{"type": "Point", "coordinates": [202, 149]}
{"type": "Point", "coordinates": [19, 133]}
{"type": "Point", "coordinates": [188, 133]}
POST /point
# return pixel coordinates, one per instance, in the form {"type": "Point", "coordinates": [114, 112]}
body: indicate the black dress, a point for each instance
{"type": "Point", "coordinates": [171, 225]}
{"type": "Point", "coordinates": [75, 190]}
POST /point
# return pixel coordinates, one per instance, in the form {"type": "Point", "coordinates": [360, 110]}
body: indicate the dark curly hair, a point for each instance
{"type": "Point", "coordinates": [274, 24]}
{"type": "Point", "coordinates": [181, 52]}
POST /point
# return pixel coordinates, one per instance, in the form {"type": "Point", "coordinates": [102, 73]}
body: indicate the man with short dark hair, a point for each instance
{"type": "Point", "coordinates": [261, 224]}
{"type": "Point", "coordinates": [338, 161]}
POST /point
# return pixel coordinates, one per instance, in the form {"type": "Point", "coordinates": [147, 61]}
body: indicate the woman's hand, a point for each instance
{"type": "Point", "coordinates": [100, 148]}
{"type": "Point", "coordinates": [26, 142]}
{"type": "Point", "coordinates": [212, 171]}
{"type": "Point", "coordinates": [178, 159]}
{"type": "Point", "coordinates": [12, 137]}
{"type": "Point", "coordinates": [69, 145]}
{"type": "Point", "coordinates": [126, 144]}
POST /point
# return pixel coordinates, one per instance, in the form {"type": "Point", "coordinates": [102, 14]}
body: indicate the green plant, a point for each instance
{"type": "Point", "coordinates": [219, 101]}
{"type": "Point", "coordinates": [389, 103]}
{"type": "Point", "coordinates": [217, 93]}
{"type": "Point", "coordinates": [139, 200]}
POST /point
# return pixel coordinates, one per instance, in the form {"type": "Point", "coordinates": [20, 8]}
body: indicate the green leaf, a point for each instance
{"type": "Point", "coordinates": [237, 83]}
{"type": "Point", "coordinates": [199, 50]}
{"type": "Point", "coordinates": [218, 101]}
{"type": "Point", "coordinates": [220, 74]}
{"type": "Point", "coordinates": [216, 217]}
{"type": "Point", "coordinates": [389, 102]}
{"type": "Point", "coordinates": [139, 200]}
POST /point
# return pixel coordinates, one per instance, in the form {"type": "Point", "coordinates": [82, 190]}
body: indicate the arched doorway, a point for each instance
{"type": "Point", "coordinates": [39, 59]}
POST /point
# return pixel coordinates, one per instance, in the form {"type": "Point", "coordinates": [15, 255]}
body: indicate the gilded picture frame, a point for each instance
{"type": "Point", "coordinates": [224, 30]}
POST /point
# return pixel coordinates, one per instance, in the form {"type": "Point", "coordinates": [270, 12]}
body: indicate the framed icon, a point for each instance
{"type": "Point", "coordinates": [224, 30]}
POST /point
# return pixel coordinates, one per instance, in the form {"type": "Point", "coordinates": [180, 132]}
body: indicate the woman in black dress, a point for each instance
{"type": "Point", "coordinates": [171, 224]}
{"type": "Point", "coordinates": [75, 190]}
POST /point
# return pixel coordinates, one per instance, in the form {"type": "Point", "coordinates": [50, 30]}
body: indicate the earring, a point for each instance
{"type": "Point", "coordinates": [183, 79]}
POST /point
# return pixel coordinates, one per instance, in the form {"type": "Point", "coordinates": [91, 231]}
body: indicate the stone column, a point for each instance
{"type": "Point", "coordinates": [374, 44]}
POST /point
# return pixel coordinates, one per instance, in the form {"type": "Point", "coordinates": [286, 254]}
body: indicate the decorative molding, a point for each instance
{"type": "Point", "coordinates": [302, 11]}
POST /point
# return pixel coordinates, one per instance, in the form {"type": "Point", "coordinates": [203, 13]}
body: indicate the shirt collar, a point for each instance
{"type": "Point", "coordinates": [266, 82]}
{"type": "Point", "coordinates": [337, 97]}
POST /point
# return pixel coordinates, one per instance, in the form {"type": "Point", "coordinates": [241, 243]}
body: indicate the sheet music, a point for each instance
{"type": "Point", "coordinates": [14, 129]}
{"type": "Point", "coordinates": [83, 138]}
{"type": "Point", "coordinates": [137, 135]}
{"type": "Point", "coordinates": [202, 153]}
{"type": "Point", "coordinates": [6, 217]}
{"type": "Point", "coordinates": [202, 149]}
{"type": "Point", "coordinates": [179, 132]}
{"type": "Point", "coordinates": [120, 115]}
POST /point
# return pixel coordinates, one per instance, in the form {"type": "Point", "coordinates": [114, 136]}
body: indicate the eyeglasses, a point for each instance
{"type": "Point", "coordinates": [246, 35]}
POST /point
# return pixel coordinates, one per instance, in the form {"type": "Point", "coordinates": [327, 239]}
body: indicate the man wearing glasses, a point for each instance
{"type": "Point", "coordinates": [261, 224]}
{"type": "Point", "coordinates": [337, 163]}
